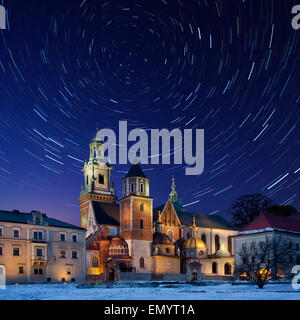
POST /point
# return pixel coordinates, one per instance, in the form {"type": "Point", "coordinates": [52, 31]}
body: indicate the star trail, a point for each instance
{"type": "Point", "coordinates": [229, 67]}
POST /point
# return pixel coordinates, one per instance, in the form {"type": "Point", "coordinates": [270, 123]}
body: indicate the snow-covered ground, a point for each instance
{"type": "Point", "coordinates": [221, 291]}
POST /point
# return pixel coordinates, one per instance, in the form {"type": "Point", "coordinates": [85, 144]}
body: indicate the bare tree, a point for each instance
{"type": "Point", "coordinates": [261, 261]}
{"type": "Point", "coordinates": [248, 207]}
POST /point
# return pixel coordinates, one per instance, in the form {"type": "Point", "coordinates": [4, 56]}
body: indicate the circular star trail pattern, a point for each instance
{"type": "Point", "coordinates": [228, 67]}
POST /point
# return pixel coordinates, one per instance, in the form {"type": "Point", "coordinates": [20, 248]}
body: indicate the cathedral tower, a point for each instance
{"type": "Point", "coordinates": [136, 209]}
{"type": "Point", "coordinates": [97, 181]}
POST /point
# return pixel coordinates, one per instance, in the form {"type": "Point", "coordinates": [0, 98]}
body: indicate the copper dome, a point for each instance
{"type": "Point", "coordinates": [161, 238]}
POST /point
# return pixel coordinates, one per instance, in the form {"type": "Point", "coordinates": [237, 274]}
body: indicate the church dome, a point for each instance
{"type": "Point", "coordinates": [194, 243]}
{"type": "Point", "coordinates": [161, 238]}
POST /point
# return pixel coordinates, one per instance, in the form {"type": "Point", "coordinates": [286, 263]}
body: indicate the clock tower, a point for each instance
{"type": "Point", "coordinates": [97, 184]}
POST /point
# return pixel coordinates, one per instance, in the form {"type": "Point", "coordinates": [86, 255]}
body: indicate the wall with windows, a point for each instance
{"type": "Point", "coordinates": [292, 241]}
{"type": "Point", "coordinates": [33, 253]}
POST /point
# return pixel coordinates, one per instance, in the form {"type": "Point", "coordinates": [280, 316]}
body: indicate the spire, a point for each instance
{"type": "Point", "coordinates": [173, 193]}
{"type": "Point", "coordinates": [159, 217]}
{"type": "Point", "coordinates": [158, 225]}
{"type": "Point", "coordinates": [194, 228]}
{"type": "Point", "coordinates": [135, 171]}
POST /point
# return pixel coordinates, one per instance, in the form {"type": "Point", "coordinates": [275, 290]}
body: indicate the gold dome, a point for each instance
{"type": "Point", "coordinates": [194, 243]}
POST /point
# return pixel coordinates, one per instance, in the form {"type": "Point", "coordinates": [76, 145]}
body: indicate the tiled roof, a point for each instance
{"type": "Point", "coordinates": [202, 220]}
{"type": "Point", "coordinates": [135, 171]}
{"type": "Point", "coordinates": [26, 218]}
{"type": "Point", "coordinates": [274, 222]}
{"type": "Point", "coordinates": [107, 213]}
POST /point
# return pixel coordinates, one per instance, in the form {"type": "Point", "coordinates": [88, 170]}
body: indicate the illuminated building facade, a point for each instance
{"type": "Point", "coordinates": [37, 249]}
{"type": "Point", "coordinates": [132, 237]}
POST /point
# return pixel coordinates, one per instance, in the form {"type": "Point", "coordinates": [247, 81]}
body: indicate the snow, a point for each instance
{"type": "Point", "coordinates": [145, 291]}
{"type": "Point", "coordinates": [268, 229]}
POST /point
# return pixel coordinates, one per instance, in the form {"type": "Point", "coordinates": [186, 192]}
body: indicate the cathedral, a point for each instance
{"type": "Point", "coordinates": [127, 238]}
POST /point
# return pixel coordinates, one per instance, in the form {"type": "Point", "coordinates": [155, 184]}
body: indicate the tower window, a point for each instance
{"type": "Point", "coordinates": [142, 263]}
{"type": "Point", "coordinates": [141, 207]}
{"type": "Point", "coordinates": [142, 188]}
{"type": "Point", "coordinates": [87, 180]}
{"type": "Point", "coordinates": [203, 237]}
{"type": "Point", "coordinates": [101, 179]}
{"type": "Point", "coordinates": [217, 242]}
{"type": "Point", "coordinates": [142, 224]}
{"type": "Point", "coordinates": [132, 187]}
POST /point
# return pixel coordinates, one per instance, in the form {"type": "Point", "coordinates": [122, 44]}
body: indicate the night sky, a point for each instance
{"type": "Point", "coordinates": [231, 68]}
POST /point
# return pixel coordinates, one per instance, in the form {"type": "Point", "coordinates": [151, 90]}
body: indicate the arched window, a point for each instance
{"type": "Point", "coordinates": [142, 224]}
{"type": "Point", "coordinates": [101, 179]}
{"type": "Point", "coordinates": [142, 263]}
{"type": "Point", "coordinates": [217, 242]}
{"type": "Point", "coordinates": [203, 237]}
{"type": "Point", "coordinates": [227, 268]}
{"type": "Point", "coordinates": [87, 180]}
{"type": "Point", "coordinates": [214, 268]}
{"type": "Point", "coordinates": [142, 188]}
{"type": "Point", "coordinates": [95, 262]}
{"type": "Point", "coordinates": [132, 187]}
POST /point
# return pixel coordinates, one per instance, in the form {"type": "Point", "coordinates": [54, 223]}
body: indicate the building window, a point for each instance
{"type": "Point", "coordinates": [1, 251]}
{"type": "Point", "coordinates": [132, 187]}
{"type": "Point", "coordinates": [141, 207]}
{"type": "Point", "coordinates": [62, 237]}
{"type": "Point", "coordinates": [142, 263]}
{"type": "Point", "coordinates": [74, 254]}
{"type": "Point", "coordinates": [203, 237]}
{"type": "Point", "coordinates": [16, 251]}
{"type": "Point", "coordinates": [16, 233]}
{"type": "Point", "coordinates": [101, 179]}
{"type": "Point", "coordinates": [1, 232]}
{"type": "Point", "coordinates": [62, 254]}
{"type": "Point", "coordinates": [87, 180]}
{"type": "Point", "coordinates": [39, 252]}
{"type": "Point", "coordinates": [217, 242]}
{"type": "Point", "coordinates": [38, 271]}
{"type": "Point", "coordinates": [167, 250]}
{"type": "Point", "coordinates": [38, 235]}
{"type": "Point", "coordinates": [142, 188]}
{"type": "Point", "coordinates": [21, 269]}
{"type": "Point", "coordinates": [229, 240]}
{"type": "Point", "coordinates": [69, 271]}
{"type": "Point", "coordinates": [95, 262]}
{"type": "Point", "coordinates": [227, 269]}
{"type": "Point", "coordinates": [214, 268]}
{"type": "Point", "coordinates": [74, 238]}
{"type": "Point", "coordinates": [142, 224]}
